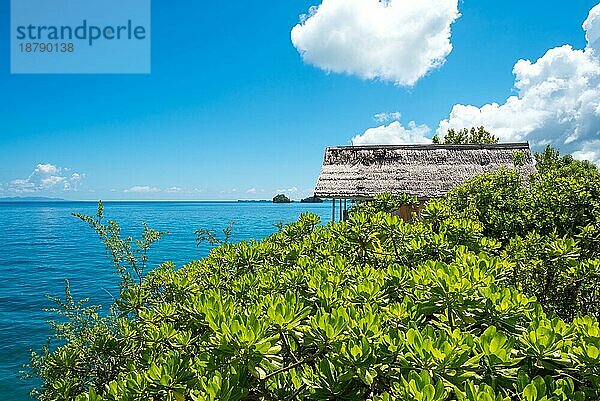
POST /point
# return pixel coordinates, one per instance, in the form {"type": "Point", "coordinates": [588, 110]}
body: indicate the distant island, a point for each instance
{"type": "Point", "coordinates": [31, 199]}
{"type": "Point", "coordinates": [253, 200]}
{"type": "Point", "coordinates": [312, 199]}
{"type": "Point", "coordinates": [281, 198]}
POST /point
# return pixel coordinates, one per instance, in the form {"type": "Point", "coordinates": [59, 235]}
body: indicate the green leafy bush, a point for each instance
{"type": "Point", "coordinates": [549, 225]}
{"type": "Point", "coordinates": [383, 203]}
{"type": "Point", "coordinates": [563, 198]}
{"type": "Point", "coordinates": [368, 309]}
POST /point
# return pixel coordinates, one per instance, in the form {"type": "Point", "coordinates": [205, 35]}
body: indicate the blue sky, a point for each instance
{"type": "Point", "coordinates": [231, 109]}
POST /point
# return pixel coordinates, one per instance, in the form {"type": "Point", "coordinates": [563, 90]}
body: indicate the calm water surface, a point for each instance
{"type": "Point", "coordinates": [42, 244]}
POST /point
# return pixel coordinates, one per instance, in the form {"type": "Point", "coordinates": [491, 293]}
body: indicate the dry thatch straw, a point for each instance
{"type": "Point", "coordinates": [425, 171]}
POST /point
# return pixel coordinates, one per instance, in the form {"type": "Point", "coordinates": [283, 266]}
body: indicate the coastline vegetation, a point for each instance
{"type": "Point", "coordinates": [493, 295]}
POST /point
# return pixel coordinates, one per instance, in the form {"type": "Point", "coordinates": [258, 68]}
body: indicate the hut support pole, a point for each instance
{"type": "Point", "coordinates": [341, 210]}
{"type": "Point", "coordinates": [333, 210]}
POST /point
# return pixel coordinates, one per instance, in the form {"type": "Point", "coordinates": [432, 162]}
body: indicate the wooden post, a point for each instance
{"type": "Point", "coordinates": [333, 210]}
{"type": "Point", "coordinates": [341, 211]}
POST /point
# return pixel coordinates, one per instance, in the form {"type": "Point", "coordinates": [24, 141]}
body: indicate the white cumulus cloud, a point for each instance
{"type": "Point", "coordinates": [591, 27]}
{"type": "Point", "coordinates": [392, 40]}
{"type": "Point", "coordinates": [394, 134]}
{"type": "Point", "coordinates": [45, 177]}
{"type": "Point", "coordinates": [47, 168]}
{"type": "Point", "coordinates": [557, 100]}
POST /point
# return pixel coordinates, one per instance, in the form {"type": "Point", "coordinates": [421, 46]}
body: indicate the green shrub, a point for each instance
{"type": "Point", "coordinates": [562, 198]}
{"type": "Point", "coordinates": [368, 309]}
{"type": "Point", "coordinates": [383, 203]}
{"type": "Point", "coordinates": [549, 225]}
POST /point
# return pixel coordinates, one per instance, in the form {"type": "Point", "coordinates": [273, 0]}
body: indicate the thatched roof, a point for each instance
{"type": "Point", "coordinates": [425, 171]}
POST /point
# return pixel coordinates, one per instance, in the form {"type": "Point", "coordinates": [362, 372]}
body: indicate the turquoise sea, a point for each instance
{"type": "Point", "coordinates": [42, 244]}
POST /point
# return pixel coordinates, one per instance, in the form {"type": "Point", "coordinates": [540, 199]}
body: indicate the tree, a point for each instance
{"type": "Point", "coordinates": [550, 160]}
{"type": "Point", "coordinates": [467, 136]}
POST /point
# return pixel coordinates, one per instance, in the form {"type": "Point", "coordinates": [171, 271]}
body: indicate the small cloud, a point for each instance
{"type": "Point", "coordinates": [47, 169]}
{"type": "Point", "coordinates": [255, 191]}
{"type": "Point", "coordinates": [394, 134]}
{"type": "Point", "coordinates": [173, 190]}
{"type": "Point", "coordinates": [137, 189]}
{"type": "Point", "coordinates": [51, 181]}
{"type": "Point", "coordinates": [386, 117]}
{"type": "Point", "coordinates": [289, 190]}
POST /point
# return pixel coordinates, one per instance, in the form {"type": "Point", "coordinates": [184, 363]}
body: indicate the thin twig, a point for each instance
{"type": "Point", "coordinates": [309, 358]}
{"type": "Point", "coordinates": [287, 345]}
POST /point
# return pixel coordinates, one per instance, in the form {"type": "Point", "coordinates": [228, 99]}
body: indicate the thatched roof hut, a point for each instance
{"type": "Point", "coordinates": [424, 171]}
